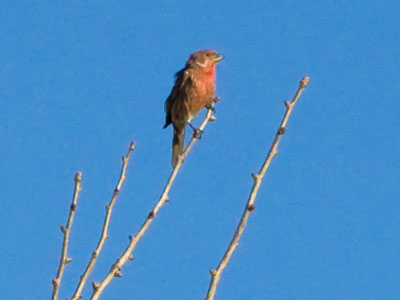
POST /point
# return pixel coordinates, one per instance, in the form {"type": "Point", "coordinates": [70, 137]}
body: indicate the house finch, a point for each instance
{"type": "Point", "coordinates": [193, 90]}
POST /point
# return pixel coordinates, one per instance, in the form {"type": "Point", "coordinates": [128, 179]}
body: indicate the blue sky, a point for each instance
{"type": "Point", "coordinates": [79, 81]}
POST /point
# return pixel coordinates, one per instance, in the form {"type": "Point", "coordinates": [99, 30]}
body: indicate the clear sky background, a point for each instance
{"type": "Point", "coordinates": [79, 81]}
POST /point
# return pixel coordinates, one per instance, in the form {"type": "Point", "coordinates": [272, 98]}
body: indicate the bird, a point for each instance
{"type": "Point", "coordinates": [193, 90]}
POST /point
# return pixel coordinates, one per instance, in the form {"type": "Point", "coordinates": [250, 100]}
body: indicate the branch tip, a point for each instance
{"type": "Point", "coordinates": [78, 177]}
{"type": "Point", "coordinates": [304, 82]}
{"type": "Point", "coordinates": [249, 207]}
{"type": "Point", "coordinates": [98, 287]}
{"type": "Point", "coordinates": [64, 259]}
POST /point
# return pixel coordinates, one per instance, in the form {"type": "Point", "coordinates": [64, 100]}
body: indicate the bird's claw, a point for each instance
{"type": "Point", "coordinates": [211, 107]}
{"type": "Point", "coordinates": [197, 133]}
{"type": "Point", "coordinates": [215, 99]}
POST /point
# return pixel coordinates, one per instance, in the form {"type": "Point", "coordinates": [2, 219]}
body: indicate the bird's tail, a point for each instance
{"type": "Point", "coordinates": [177, 145]}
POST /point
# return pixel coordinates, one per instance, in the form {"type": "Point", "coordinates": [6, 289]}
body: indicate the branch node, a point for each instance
{"type": "Point", "coordinates": [67, 260]}
{"type": "Point", "coordinates": [73, 207]}
{"type": "Point", "coordinates": [281, 131]}
{"type": "Point", "coordinates": [180, 158]}
{"type": "Point", "coordinates": [95, 285]}
{"type": "Point", "coordinates": [212, 118]}
{"type": "Point", "coordinates": [115, 193]}
{"type": "Point", "coordinates": [130, 257]}
{"type": "Point", "coordinates": [251, 207]}
{"type": "Point", "coordinates": [213, 272]}
{"type": "Point", "coordinates": [63, 229]}
{"type": "Point", "coordinates": [132, 146]}
{"type": "Point", "coordinates": [107, 206]}
{"type": "Point", "coordinates": [255, 176]}
{"type": "Point", "coordinates": [287, 104]}
{"type": "Point", "coordinates": [55, 282]}
{"type": "Point", "coordinates": [167, 198]}
{"type": "Point", "coordinates": [151, 215]}
{"type": "Point", "coordinates": [304, 82]}
{"type": "Point", "coordinates": [118, 274]}
{"type": "Point", "coordinates": [94, 254]}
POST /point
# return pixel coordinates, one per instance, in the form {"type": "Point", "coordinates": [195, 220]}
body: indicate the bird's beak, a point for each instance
{"type": "Point", "coordinates": [218, 57]}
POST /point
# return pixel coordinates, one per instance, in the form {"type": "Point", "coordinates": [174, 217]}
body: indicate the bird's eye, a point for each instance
{"type": "Point", "coordinates": [208, 54]}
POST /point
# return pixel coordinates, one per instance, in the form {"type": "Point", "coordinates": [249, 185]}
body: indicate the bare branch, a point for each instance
{"type": "Point", "coordinates": [115, 270]}
{"type": "Point", "coordinates": [104, 235]}
{"type": "Point", "coordinates": [64, 259]}
{"type": "Point", "coordinates": [257, 178]}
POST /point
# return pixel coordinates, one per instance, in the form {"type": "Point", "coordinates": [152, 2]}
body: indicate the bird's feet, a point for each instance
{"type": "Point", "coordinates": [196, 132]}
{"type": "Point", "coordinates": [211, 107]}
{"type": "Point", "coordinates": [215, 99]}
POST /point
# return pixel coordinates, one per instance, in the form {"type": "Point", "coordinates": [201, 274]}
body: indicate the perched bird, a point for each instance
{"type": "Point", "coordinates": [193, 90]}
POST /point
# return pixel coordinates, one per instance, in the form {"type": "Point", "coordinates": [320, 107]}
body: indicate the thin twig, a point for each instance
{"type": "Point", "coordinates": [125, 159]}
{"type": "Point", "coordinates": [216, 274]}
{"type": "Point", "coordinates": [64, 259]}
{"type": "Point", "coordinates": [115, 270]}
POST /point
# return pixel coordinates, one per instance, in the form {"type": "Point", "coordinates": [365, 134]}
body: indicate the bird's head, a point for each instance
{"type": "Point", "coordinates": [204, 59]}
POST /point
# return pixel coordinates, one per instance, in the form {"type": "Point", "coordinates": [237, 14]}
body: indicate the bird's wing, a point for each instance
{"type": "Point", "coordinates": [182, 82]}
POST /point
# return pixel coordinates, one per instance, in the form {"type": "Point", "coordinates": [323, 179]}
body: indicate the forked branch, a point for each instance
{"type": "Point", "coordinates": [104, 233]}
{"type": "Point", "coordinates": [257, 178]}
{"type": "Point", "coordinates": [64, 259]}
{"type": "Point", "coordinates": [115, 270]}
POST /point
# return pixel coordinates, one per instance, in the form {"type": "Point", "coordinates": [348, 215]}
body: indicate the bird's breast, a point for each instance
{"type": "Point", "coordinates": [202, 93]}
